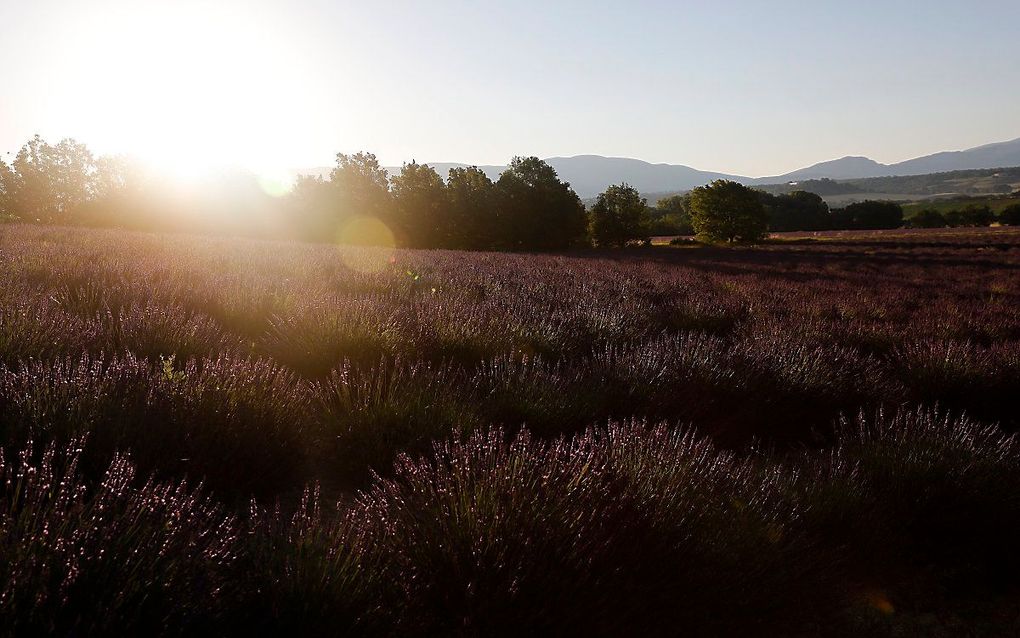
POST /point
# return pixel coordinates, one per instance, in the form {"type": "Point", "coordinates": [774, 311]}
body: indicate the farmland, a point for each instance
{"type": "Point", "coordinates": [241, 436]}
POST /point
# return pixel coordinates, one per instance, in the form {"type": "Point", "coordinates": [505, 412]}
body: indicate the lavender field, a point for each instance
{"type": "Point", "coordinates": [813, 436]}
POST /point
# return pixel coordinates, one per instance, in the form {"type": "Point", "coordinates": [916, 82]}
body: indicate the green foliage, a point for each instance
{"type": "Point", "coordinates": [868, 215]}
{"type": "Point", "coordinates": [799, 210]}
{"type": "Point", "coordinates": [540, 211]}
{"type": "Point", "coordinates": [972, 215]}
{"type": "Point", "coordinates": [361, 186]}
{"type": "Point", "coordinates": [474, 214]}
{"type": "Point", "coordinates": [671, 216]}
{"type": "Point", "coordinates": [47, 182]}
{"type": "Point", "coordinates": [1010, 216]}
{"type": "Point", "coordinates": [619, 216]}
{"type": "Point", "coordinates": [421, 206]}
{"type": "Point", "coordinates": [727, 211]}
{"type": "Point", "coordinates": [926, 218]}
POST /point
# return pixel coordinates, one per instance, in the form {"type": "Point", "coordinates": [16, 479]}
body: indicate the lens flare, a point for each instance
{"type": "Point", "coordinates": [370, 244]}
{"type": "Point", "coordinates": [276, 184]}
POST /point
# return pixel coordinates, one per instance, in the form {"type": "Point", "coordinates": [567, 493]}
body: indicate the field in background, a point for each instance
{"type": "Point", "coordinates": [833, 452]}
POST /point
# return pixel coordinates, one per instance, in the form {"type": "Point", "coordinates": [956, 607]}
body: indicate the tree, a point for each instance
{"type": "Point", "coordinates": [974, 215]}
{"type": "Point", "coordinates": [46, 182]}
{"type": "Point", "coordinates": [671, 216]}
{"type": "Point", "coordinates": [727, 211]}
{"type": "Point", "coordinates": [7, 185]}
{"type": "Point", "coordinates": [1010, 216]}
{"type": "Point", "coordinates": [927, 218]}
{"type": "Point", "coordinates": [361, 184]}
{"type": "Point", "coordinates": [620, 215]}
{"type": "Point", "coordinates": [539, 211]}
{"type": "Point", "coordinates": [799, 210]}
{"type": "Point", "coordinates": [357, 186]}
{"type": "Point", "coordinates": [473, 220]}
{"type": "Point", "coordinates": [420, 206]}
{"type": "Point", "coordinates": [312, 209]}
{"type": "Point", "coordinates": [119, 196]}
{"type": "Point", "coordinates": [869, 215]}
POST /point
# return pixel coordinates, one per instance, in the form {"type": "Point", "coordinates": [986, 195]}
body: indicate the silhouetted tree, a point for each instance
{"type": "Point", "coordinates": [1010, 216]}
{"type": "Point", "coordinates": [312, 209]}
{"type": "Point", "coordinates": [869, 215]}
{"type": "Point", "coordinates": [357, 185]}
{"type": "Point", "coordinates": [474, 216]}
{"type": "Point", "coordinates": [727, 211]}
{"type": "Point", "coordinates": [361, 185]}
{"type": "Point", "coordinates": [45, 182]}
{"type": "Point", "coordinates": [420, 206]}
{"type": "Point", "coordinates": [7, 177]}
{"type": "Point", "coordinates": [119, 196]}
{"type": "Point", "coordinates": [799, 210]}
{"type": "Point", "coordinates": [539, 211]}
{"type": "Point", "coordinates": [926, 218]}
{"type": "Point", "coordinates": [980, 215]}
{"type": "Point", "coordinates": [620, 215]}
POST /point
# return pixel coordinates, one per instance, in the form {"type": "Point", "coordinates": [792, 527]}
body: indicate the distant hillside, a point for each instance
{"type": "Point", "coordinates": [589, 175]}
{"type": "Point", "coordinates": [988, 156]}
{"type": "Point", "coordinates": [845, 168]}
{"type": "Point", "coordinates": [971, 182]}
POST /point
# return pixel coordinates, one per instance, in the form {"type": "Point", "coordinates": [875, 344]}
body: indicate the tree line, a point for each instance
{"type": "Point", "coordinates": [527, 208]}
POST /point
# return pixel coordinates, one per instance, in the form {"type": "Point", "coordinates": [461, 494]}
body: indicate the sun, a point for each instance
{"type": "Point", "coordinates": [190, 88]}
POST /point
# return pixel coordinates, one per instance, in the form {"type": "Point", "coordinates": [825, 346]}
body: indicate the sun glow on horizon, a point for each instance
{"type": "Point", "coordinates": [192, 89]}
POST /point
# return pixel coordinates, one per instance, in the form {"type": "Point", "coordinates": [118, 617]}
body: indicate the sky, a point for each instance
{"type": "Point", "coordinates": [750, 88]}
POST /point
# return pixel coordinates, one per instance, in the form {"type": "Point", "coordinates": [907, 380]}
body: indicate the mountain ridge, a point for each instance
{"type": "Point", "coordinates": [590, 174]}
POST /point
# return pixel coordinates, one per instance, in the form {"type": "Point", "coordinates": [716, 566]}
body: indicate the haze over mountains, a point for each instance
{"type": "Point", "coordinates": [591, 174]}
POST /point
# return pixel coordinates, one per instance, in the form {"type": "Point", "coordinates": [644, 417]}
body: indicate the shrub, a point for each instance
{"type": "Point", "coordinates": [236, 424]}
{"type": "Point", "coordinates": [122, 557]}
{"type": "Point", "coordinates": [367, 417]}
{"type": "Point", "coordinates": [924, 505]}
{"type": "Point", "coordinates": [313, 573]}
{"type": "Point", "coordinates": [629, 529]}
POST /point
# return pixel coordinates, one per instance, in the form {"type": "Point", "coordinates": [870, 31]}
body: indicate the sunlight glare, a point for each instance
{"type": "Point", "coordinates": [194, 88]}
{"type": "Point", "coordinates": [378, 239]}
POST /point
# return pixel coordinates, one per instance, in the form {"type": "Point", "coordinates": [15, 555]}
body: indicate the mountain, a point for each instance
{"type": "Point", "coordinates": [998, 155]}
{"type": "Point", "coordinates": [843, 168]}
{"type": "Point", "coordinates": [589, 175]}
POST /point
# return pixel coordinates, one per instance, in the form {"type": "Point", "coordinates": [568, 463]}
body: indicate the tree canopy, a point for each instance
{"type": "Point", "coordinates": [474, 214]}
{"type": "Point", "coordinates": [869, 215]}
{"type": "Point", "coordinates": [619, 216]}
{"type": "Point", "coordinates": [727, 211]}
{"type": "Point", "coordinates": [421, 206]}
{"type": "Point", "coordinates": [798, 210]}
{"type": "Point", "coordinates": [926, 218]}
{"type": "Point", "coordinates": [1010, 216]}
{"type": "Point", "coordinates": [671, 216]}
{"type": "Point", "coordinates": [45, 182]}
{"type": "Point", "coordinates": [539, 211]}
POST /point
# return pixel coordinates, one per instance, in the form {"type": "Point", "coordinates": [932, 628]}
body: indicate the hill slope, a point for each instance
{"type": "Point", "coordinates": [591, 174]}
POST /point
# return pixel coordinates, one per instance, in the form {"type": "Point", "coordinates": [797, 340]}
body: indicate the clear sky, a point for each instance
{"type": "Point", "coordinates": [743, 87]}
